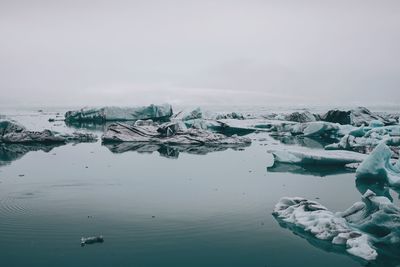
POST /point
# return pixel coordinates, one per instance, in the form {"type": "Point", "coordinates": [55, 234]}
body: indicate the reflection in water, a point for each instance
{"type": "Point", "coordinates": [170, 151]}
{"type": "Point", "coordinates": [90, 126]}
{"type": "Point", "coordinates": [387, 256]}
{"type": "Point", "coordinates": [12, 152]}
{"type": "Point", "coordinates": [313, 170]}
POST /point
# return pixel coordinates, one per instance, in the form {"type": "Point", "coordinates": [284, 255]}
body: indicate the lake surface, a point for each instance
{"type": "Point", "coordinates": [154, 209]}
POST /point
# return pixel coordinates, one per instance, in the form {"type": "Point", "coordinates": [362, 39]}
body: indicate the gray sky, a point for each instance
{"type": "Point", "coordinates": [195, 52]}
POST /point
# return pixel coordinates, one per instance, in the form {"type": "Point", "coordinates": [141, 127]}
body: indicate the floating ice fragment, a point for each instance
{"type": "Point", "coordinates": [304, 156]}
{"type": "Point", "coordinates": [91, 240]}
{"type": "Point", "coordinates": [12, 132]}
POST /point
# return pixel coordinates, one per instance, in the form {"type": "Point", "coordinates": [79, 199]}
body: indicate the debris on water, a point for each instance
{"type": "Point", "coordinates": [21, 175]}
{"type": "Point", "coordinates": [91, 240]}
{"type": "Point", "coordinates": [86, 167]}
{"type": "Point", "coordinates": [153, 216]}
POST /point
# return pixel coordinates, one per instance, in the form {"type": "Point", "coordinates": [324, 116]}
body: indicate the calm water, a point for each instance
{"type": "Point", "coordinates": [153, 210]}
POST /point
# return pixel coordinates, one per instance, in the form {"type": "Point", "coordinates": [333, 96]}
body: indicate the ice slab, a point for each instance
{"type": "Point", "coordinates": [169, 133]}
{"type": "Point", "coordinates": [154, 112]}
{"type": "Point", "coordinates": [304, 156]}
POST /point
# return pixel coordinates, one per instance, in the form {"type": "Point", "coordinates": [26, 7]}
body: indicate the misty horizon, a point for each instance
{"type": "Point", "coordinates": [189, 53]}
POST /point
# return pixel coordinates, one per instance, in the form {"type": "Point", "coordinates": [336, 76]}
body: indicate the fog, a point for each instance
{"type": "Point", "coordinates": [199, 52]}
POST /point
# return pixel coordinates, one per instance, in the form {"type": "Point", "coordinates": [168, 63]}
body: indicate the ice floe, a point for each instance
{"type": "Point", "coordinates": [168, 133]}
{"type": "Point", "coordinates": [306, 156]}
{"type": "Point", "coordinates": [13, 132]}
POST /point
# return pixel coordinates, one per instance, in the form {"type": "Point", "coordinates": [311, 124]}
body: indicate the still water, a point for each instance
{"type": "Point", "coordinates": [153, 210]}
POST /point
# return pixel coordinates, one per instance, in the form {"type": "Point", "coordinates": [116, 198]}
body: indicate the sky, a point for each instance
{"type": "Point", "coordinates": [296, 52]}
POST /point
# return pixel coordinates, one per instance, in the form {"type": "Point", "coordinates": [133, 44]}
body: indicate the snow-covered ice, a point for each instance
{"type": "Point", "coordinates": [312, 217]}
{"type": "Point", "coordinates": [361, 228]}
{"type": "Point", "coordinates": [168, 133]}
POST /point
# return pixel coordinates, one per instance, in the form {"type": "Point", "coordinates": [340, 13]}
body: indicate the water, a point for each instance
{"type": "Point", "coordinates": [193, 210]}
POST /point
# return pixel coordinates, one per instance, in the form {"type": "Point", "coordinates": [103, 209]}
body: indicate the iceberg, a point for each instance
{"type": "Point", "coordinates": [356, 117]}
{"type": "Point", "coordinates": [364, 139]}
{"type": "Point", "coordinates": [231, 115]}
{"type": "Point", "coordinates": [100, 115]}
{"type": "Point", "coordinates": [311, 217]}
{"type": "Point", "coordinates": [378, 166]}
{"type": "Point", "coordinates": [375, 216]}
{"type": "Point", "coordinates": [186, 115]}
{"type": "Point", "coordinates": [168, 133]}
{"type": "Point", "coordinates": [304, 156]}
{"type": "Point", "coordinates": [304, 116]}
{"type": "Point", "coordinates": [362, 228]}
{"type": "Point", "coordinates": [14, 133]}
{"type": "Point", "coordinates": [316, 129]}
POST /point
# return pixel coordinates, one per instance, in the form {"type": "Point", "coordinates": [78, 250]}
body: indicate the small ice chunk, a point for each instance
{"type": "Point", "coordinates": [91, 240]}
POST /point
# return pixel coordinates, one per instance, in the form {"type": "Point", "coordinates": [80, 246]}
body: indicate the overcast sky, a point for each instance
{"type": "Point", "coordinates": [195, 52]}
